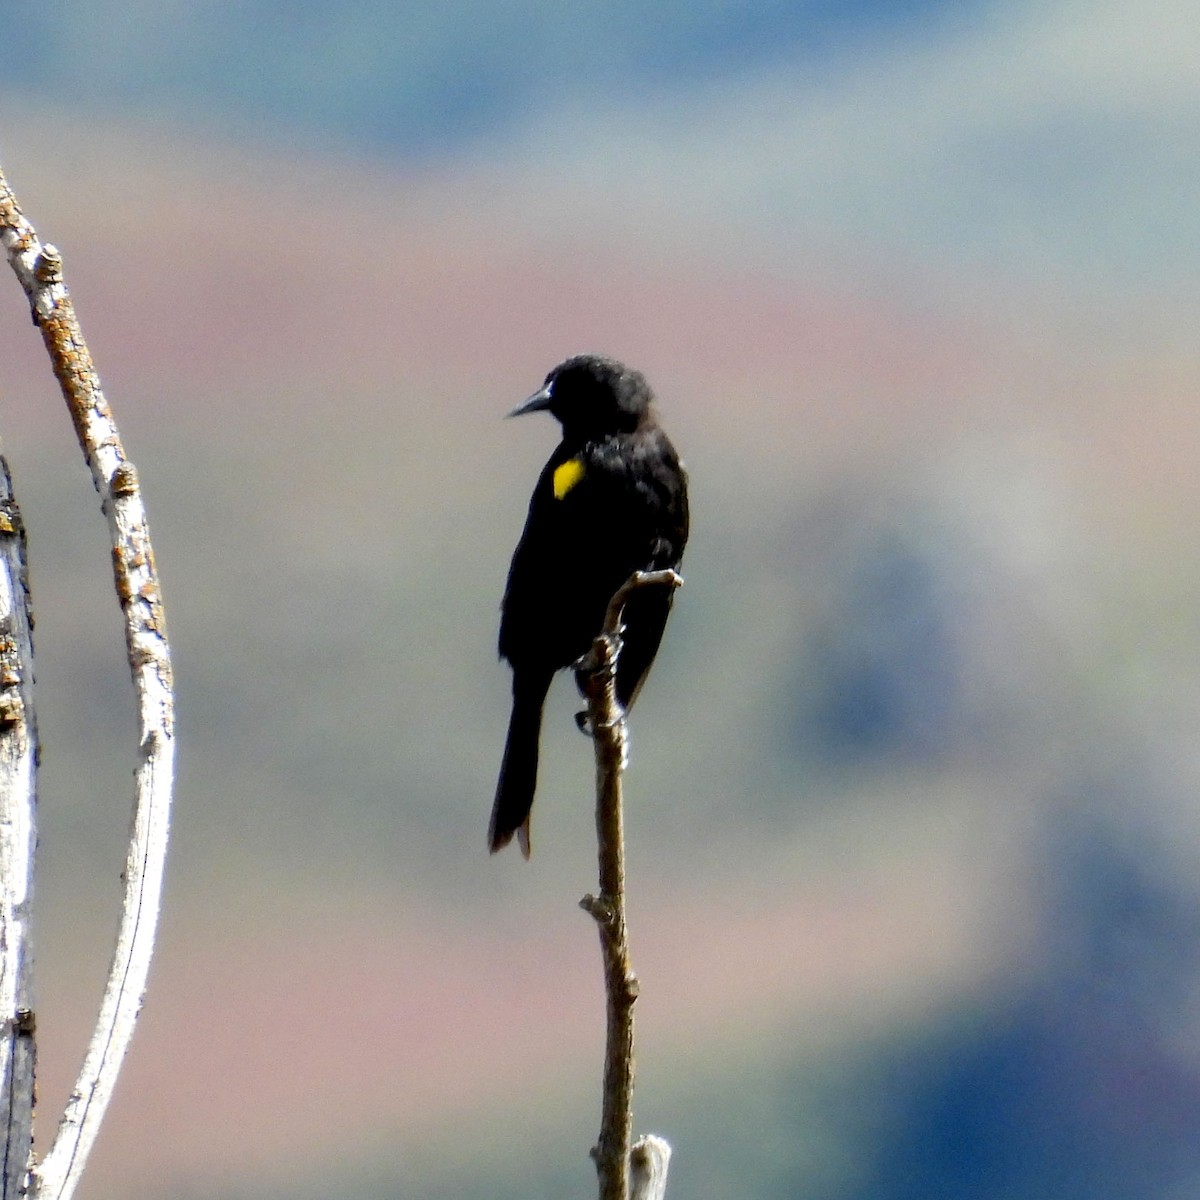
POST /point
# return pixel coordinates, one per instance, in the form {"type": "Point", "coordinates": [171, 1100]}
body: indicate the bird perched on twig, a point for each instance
{"type": "Point", "coordinates": [611, 500]}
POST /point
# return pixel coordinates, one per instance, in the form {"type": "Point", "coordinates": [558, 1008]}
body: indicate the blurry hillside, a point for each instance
{"type": "Point", "coordinates": [913, 809]}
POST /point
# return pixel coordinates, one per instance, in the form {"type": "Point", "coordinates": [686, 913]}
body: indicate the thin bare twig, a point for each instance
{"type": "Point", "coordinates": [18, 836]}
{"type": "Point", "coordinates": [606, 718]}
{"type": "Point", "coordinates": [38, 267]}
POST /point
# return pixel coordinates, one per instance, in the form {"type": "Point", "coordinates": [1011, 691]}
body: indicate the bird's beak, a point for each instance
{"type": "Point", "coordinates": [536, 403]}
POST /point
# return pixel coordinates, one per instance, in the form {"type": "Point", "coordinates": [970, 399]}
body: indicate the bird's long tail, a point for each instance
{"type": "Point", "coordinates": [518, 771]}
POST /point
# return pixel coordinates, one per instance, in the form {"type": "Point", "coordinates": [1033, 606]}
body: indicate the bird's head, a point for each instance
{"type": "Point", "coordinates": [591, 396]}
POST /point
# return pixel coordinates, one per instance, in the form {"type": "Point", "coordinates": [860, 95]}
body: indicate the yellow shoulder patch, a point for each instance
{"type": "Point", "coordinates": [566, 476]}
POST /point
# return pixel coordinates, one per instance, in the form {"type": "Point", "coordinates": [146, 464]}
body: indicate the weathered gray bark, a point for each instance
{"type": "Point", "coordinates": [38, 268]}
{"type": "Point", "coordinates": [18, 837]}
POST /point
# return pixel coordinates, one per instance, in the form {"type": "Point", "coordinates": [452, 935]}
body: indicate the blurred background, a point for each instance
{"type": "Point", "coordinates": [913, 805]}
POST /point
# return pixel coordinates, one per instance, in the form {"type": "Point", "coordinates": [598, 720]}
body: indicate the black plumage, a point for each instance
{"type": "Point", "coordinates": [611, 500]}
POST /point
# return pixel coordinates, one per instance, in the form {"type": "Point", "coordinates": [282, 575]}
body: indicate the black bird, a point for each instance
{"type": "Point", "coordinates": [612, 500]}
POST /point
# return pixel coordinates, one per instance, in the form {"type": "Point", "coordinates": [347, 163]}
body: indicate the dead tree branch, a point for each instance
{"type": "Point", "coordinates": [18, 836]}
{"type": "Point", "coordinates": [38, 267]}
{"type": "Point", "coordinates": [606, 718]}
